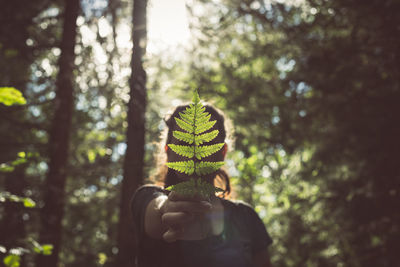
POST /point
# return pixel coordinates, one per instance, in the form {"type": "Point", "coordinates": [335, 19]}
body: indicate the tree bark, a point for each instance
{"type": "Point", "coordinates": [134, 156]}
{"type": "Point", "coordinates": [54, 199]}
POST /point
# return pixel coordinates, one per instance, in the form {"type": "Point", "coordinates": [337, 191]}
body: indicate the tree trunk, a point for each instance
{"type": "Point", "coordinates": [53, 210]}
{"type": "Point", "coordinates": [134, 157]}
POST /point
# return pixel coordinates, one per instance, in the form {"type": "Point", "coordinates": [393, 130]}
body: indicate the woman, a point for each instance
{"type": "Point", "coordinates": [174, 230]}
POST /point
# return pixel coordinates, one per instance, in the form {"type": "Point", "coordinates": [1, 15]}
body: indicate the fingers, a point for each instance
{"type": "Point", "coordinates": [188, 206]}
{"type": "Point", "coordinates": [173, 234]}
{"type": "Point", "coordinates": [174, 196]}
{"type": "Point", "coordinates": [174, 222]}
{"type": "Point", "coordinates": [178, 211]}
{"type": "Point", "coordinates": [171, 219]}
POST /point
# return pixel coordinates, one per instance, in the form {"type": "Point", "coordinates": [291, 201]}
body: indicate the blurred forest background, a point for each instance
{"type": "Point", "coordinates": [312, 86]}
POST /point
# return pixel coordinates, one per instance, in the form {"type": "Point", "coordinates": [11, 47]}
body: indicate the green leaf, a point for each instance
{"type": "Point", "coordinates": [11, 96]}
{"type": "Point", "coordinates": [184, 125]}
{"type": "Point", "coordinates": [7, 196]}
{"type": "Point", "coordinates": [204, 127]}
{"type": "Point", "coordinates": [207, 137]}
{"type": "Point", "coordinates": [19, 161]}
{"type": "Point", "coordinates": [185, 151]}
{"type": "Point", "coordinates": [196, 98]}
{"type": "Point", "coordinates": [188, 118]}
{"type": "Point", "coordinates": [206, 167]}
{"type": "Point", "coordinates": [29, 203]}
{"type": "Point", "coordinates": [6, 168]}
{"type": "Point", "coordinates": [182, 166]}
{"type": "Point", "coordinates": [195, 121]}
{"type": "Point", "coordinates": [47, 249]}
{"type": "Point", "coordinates": [205, 151]}
{"type": "Point", "coordinates": [195, 187]}
{"type": "Point", "coordinates": [185, 137]}
{"type": "Point", "coordinates": [12, 260]}
{"type": "Point", "coordinates": [185, 188]}
{"type": "Point", "coordinates": [91, 154]}
{"type": "Point", "coordinates": [102, 258]}
{"type": "Point", "coordinates": [204, 117]}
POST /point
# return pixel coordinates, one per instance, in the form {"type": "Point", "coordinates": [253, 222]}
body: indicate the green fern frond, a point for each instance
{"type": "Point", "coordinates": [195, 187]}
{"type": "Point", "coordinates": [194, 121]}
{"type": "Point", "coordinates": [196, 97]}
{"type": "Point", "coordinates": [185, 151]}
{"type": "Point", "coordinates": [203, 118]}
{"type": "Point", "coordinates": [204, 127]}
{"type": "Point", "coordinates": [207, 137]}
{"type": "Point", "coordinates": [206, 167]}
{"type": "Point", "coordinates": [205, 189]}
{"type": "Point", "coordinates": [182, 166]}
{"type": "Point", "coordinates": [184, 125]}
{"type": "Point", "coordinates": [185, 137]}
{"type": "Point", "coordinates": [205, 151]}
{"type": "Point", "coordinates": [189, 119]}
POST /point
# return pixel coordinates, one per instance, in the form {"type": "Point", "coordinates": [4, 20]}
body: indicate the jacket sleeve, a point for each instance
{"type": "Point", "coordinates": [260, 239]}
{"type": "Point", "coordinates": [142, 197]}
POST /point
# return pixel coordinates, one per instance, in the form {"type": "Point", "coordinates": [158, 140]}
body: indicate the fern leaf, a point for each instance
{"type": "Point", "coordinates": [195, 98]}
{"type": "Point", "coordinates": [185, 137]}
{"type": "Point", "coordinates": [195, 187]}
{"type": "Point", "coordinates": [187, 188]}
{"type": "Point", "coordinates": [186, 151]}
{"type": "Point", "coordinates": [207, 137]}
{"type": "Point", "coordinates": [194, 121]}
{"type": "Point", "coordinates": [190, 110]}
{"type": "Point", "coordinates": [200, 109]}
{"type": "Point", "coordinates": [184, 125]}
{"type": "Point", "coordinates": [203, 118]}
{"type": "Point", "coordinates": [206, 167]}
{"type": "Point", "coordinates": [182, 166]}
{"type": "Point", "coordinates": [204, 127]}
{"type": "Point", "coordinates": [187, 117]}
{"type": "Point", "coordinates": [205, 151]}
{"type": "Point", "coordinates": [205, 189]}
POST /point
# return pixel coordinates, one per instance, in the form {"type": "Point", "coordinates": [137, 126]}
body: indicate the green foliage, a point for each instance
{"type": "Point", "coordinates": [12, 260]}
{"type": "Point", "coordinates": [26, 201]}
{"type": "Point", "coordinates": [316, 142]}
{"type": "Point", "coordinates": [45, 249]}
{"type": "Point", "coordinates": [195, 121]}
{"type": "Point", "coordinates": [205, 151]}
{"type": "Point", "coordinates": [195, 187]}
{"type": "Point", "coordinates": [14, 255]}
{"type": "Point", "coordinates": [312, 89]}
{"type": "Point", "coordinates": [187, 167]}
{"type": "Point", "coordinates": [9, 167]}
{"type": "Point", "coordinates": [11, 96]}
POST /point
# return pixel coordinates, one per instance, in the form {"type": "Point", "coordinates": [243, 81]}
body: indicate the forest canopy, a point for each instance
{"type": "Point", "coordinates": [312, 88]}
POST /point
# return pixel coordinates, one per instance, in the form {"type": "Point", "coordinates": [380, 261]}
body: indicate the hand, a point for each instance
{"type": "Point", "coordinates": [178, 214]}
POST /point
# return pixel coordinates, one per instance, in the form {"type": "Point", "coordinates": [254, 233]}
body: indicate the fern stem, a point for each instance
{"type": "Point", "coordinates": [194, 136]}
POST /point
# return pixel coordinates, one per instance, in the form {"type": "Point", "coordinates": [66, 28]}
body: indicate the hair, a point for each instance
{"type": "Point", "coordinates": [168, 176]}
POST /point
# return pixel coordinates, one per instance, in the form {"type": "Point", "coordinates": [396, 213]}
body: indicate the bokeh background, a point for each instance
{"type": "Point", "coordinates": [312, 88]}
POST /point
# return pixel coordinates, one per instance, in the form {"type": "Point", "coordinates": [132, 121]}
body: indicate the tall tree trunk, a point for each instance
{"type": "Point", "coordinates": [134, 157]}
{"type": "Point", "coordinates": [53, 210]}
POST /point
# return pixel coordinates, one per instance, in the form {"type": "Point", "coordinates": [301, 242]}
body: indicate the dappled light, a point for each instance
{"type": "Point", "coordinates": [310, 87]}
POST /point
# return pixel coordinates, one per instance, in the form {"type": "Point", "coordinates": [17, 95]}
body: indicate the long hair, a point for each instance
{"type": "Point", "coordinates": [223, 125]}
